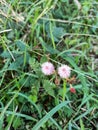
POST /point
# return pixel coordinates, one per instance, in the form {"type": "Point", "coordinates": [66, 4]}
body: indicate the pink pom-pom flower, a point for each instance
{"type": "Point", "coordinates": [47, 68]}
{"type": "Point", "coordinates": [64, 71]}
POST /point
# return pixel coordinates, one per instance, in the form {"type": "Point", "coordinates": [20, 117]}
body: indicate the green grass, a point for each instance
{"type": "Point", "coordinates": [59, 31]}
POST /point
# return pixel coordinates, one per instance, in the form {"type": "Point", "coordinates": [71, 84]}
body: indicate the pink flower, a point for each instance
{"type": "Point", "coordinates": [64, 71]}
{"type": "Point", "coordinates": [47, 68]}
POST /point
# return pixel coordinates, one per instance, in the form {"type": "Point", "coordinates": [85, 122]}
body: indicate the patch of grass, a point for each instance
{"type": "Point", "coordinates": [61, 32]}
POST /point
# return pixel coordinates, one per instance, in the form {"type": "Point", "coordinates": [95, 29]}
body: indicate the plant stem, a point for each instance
{"type": "Point", "coordinates": [64, 89]}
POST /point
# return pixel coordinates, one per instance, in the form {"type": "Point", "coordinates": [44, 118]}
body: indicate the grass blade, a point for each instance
{"type": "Point", "coordinates": [49, 114]}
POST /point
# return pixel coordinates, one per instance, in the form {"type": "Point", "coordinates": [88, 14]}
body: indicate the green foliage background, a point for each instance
{"type": "Point", "coordinates": [33, 32]}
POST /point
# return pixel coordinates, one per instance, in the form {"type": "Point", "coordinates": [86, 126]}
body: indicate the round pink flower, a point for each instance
{"type": "Point", "coordinates": [64, 71]}
{"type": "Point", "coordinates": [47, 68]}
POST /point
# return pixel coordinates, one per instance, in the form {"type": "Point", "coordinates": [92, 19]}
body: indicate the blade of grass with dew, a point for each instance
{"type": "Point", "coordinates": [49, 114]}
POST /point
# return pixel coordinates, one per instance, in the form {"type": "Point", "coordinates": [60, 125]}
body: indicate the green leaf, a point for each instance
{"type": "Point", "coordinates": [84, 114]}
{"type": "Point", "coordinates": [13, 66]}
{"type": "Point", "coordinates": [17, 122]}
{"type": "Point", "coordinates": [49, 115]}
{"type": "Point", "coordinates": [33, 98]}
{"type": "Point", "coordinates": [57, 32]}
{"type": "Point", "coordinates": [19, 115]}
{"type": "Point", "coordinates": [28, 99]}
{"type": "Point", "coordinates": [5, 54]}
{"type": "Point", "coordinates": [19, 62]}
{"type": "Point", "coordinates": [47, 47]}
{"type": "Point", "coordinates": [81, 124]}
{"type": "Point", "coordinates": [21, 45]}
{"type": "Point", "coordinates": [49, 87]}
{"type": "Point", "coordinates": [43, 59]}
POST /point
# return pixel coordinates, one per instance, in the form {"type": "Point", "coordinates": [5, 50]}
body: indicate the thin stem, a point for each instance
{"type": "Point", "coordinates": [64, 89]}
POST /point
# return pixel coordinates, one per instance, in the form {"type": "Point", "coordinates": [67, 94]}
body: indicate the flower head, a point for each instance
{"type": "Point", "coordinates": [72, 90]}
{"type": "Point", "coordinates": [47, 68]}
{"type": "Point", "coordinates": [64, 71]}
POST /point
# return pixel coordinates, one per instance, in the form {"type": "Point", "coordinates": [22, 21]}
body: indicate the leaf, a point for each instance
{"type": "Point", "coordinates": [13, 66]}
{"type": "Point", "coordinates": [69, 126]}
{"type": "Point", "coordinates": [85, 100]}
{"type": "Point", "coordinates": [5, 54]}
{"type": "Point", "coordinates": [17, 122]}
{"type": "Point", "coordinates": [49, 115]}
{"type": "Point", "coordinates": [49, 87]}
{"type": "Point", "coordinates": [54, 122]}
{"type": "Point", "coordinates": [84, 114]}
{"type": "Point", "coordinates": [82, 125]}
{"type": "Point", "coordinates": [33, 64]}
{"type": "Point", "coordinates": [47, 47]}
{"type": "Point", "coordinates": [33, 98]}
{"type": "Point", "coordinates": [28, 99]}
{"type": "Point", "coordinates": [19, 62]}
{"type": "Point", "coordinates": [21, 45]}
{"type": "Point", "coordinates": [19, 115]}
{"type": "Point", "coordinates": [57, 32]}
{"type": "Point", "coordinates": [43, 59]}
